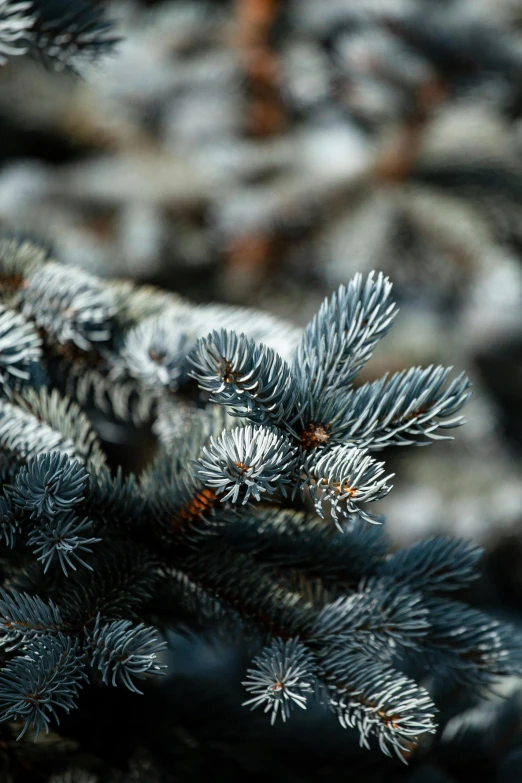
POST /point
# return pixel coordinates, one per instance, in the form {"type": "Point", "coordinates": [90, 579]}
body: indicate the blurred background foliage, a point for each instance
{"type": "Point", "coordinates": [260, 152]}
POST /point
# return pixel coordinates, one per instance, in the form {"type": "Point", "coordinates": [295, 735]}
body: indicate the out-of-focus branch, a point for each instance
{"type": "Point", "coordinates": [255, 20]}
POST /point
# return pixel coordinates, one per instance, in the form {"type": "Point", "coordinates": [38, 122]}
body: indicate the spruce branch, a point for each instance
{"type": "Point", "coordinates": [380, 615]}
{"type": "Point", "coordinates": [24, 617]}
{"type": "Point", "coordinates": [468, 645]}
{"type": "Point", "coordinates": [123, 652]}
{"type": "Point", "coordinates": [23, 435]}
{"type": "Point", "coordinates": [71, 429]}
{"type": "Point", "coordinates": [311, 401]}
{"type": "Point", "coordinates": [69, 305]}
{"type": "Point", "coordinates": [196, 539]}
{"type": "Point", "coordinates": [45, 679]}
{"type": "Point", "coordinates": [252, 379]}
{"type": "Point", "coordinates": [378, 701]}
{"type": "Point", "coordinates": [437, 565]}
{"type": "Point", "coordinates": [155, 351]}
{"type": "Point", "coordinates": [341, 338]}
{"type": "Point", "coordinates": [404, 410]}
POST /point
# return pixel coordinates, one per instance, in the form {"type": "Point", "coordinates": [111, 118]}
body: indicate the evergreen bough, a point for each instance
{"type": "Point", "coordinates": [220, 527]}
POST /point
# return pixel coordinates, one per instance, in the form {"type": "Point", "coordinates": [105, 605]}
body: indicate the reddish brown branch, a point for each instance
{"type": "Point", "coordinates": [256, 18]}
{"type": "Point", "coordinates": [204, 501]}
{"type": "Point", "coordinates": [396, 163]}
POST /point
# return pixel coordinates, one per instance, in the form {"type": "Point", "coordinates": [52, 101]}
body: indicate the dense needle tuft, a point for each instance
{"type": "Point", "coordinates": [123, 652]}
{"type": "Point", "coordinates": [155, 351]}
{"type": "Point", "coordinates": [380, 615]}
{"type": "Point", "coordinates": [50, 484]}
{"type": "Point", "coordinates": [252, 379]}
{"type": "Point", "coordinates": [248, 462]}
{"type": "Point", "coordinates": [282, 679]}
{"type": "Point", "coordinates": [69, 305]}
{"type": "Point", "coordinates": [341, 337]}
{"type": "Point", "coordinates": [65, 539]}
{"type": "Point", "coordinates": [344, 478]}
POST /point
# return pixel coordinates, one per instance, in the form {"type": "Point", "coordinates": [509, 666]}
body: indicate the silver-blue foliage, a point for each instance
{"type": "Point", "coordinates": [46, 678]}
{"type": "Point", "coordinates": [209, 532]}
{"type": "Point", "coordinates": [341, 338]}
{"type": "Point", "coordinates": [50, 484]}
{"type": "Point", "coordinates": [20, 347]}
{"type": "Point", "coordinates": [342, 478]}
{"type": "Point", "coordinates": [378, 701]}
{"type": "Point", "coordinates": [24, 617]}
{"type": "Point", "coordinates": [380, 616]}
{"type": "Point", "coordinates": [71, 306]}
{"type": "Point", "coordinates": [248, 462]}
{"type": "Point", "coordinates": [155, 351]}
{"type": "Point", "coordinates": [123, 652]}
{"type": "Point", "coordinates": [282, 679]}
{"type": "Point", "coordinates": [405, 409]}
{"type": "Point", "coordinates": [65, 539]}
{"type": "Point", "coordinates": [252, 379]}
{"type": "Point", "coordinates": [312, 400]}
{"type": "Point", "coordinates": [436, 565]}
